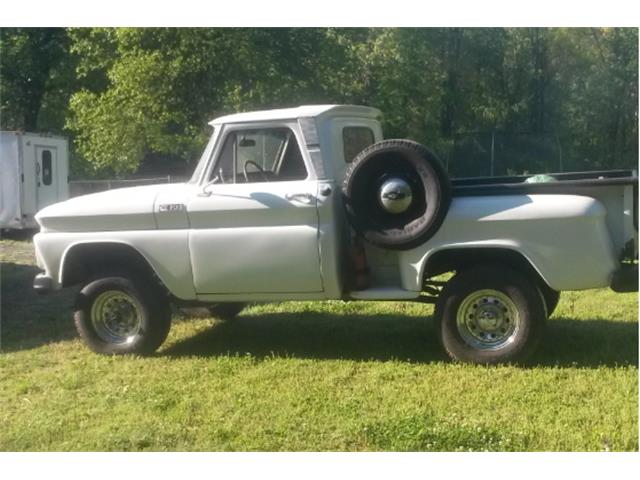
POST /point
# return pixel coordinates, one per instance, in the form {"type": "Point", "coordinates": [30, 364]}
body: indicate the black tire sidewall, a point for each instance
{"type": "Point", "coordinates": [154, 309]}
{"type": "Point", "coordinates": [551, 298]}
{"type": "Point", "coordinates": [435, 186]}
{"type": "Point", "coordinates": [523, 292]}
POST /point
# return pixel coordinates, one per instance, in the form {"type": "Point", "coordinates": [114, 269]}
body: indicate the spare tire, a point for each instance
{"type": "Point", "coordinates": [396, 194]}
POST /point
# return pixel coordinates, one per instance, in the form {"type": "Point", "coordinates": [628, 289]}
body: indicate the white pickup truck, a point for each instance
{"type": "Point", "coordinates": [310, 203]}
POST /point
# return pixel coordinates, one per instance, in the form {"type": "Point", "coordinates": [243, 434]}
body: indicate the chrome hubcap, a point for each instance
{"type": "Point", "coordinates": [488, 320]}
{"type": "Point", "coordinates": [116, 316]}
{"type": "Point", "coordinates": [395, 195]}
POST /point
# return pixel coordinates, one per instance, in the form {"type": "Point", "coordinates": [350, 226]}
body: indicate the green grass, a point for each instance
{"type": "Point", "coordinates": [312, 376]}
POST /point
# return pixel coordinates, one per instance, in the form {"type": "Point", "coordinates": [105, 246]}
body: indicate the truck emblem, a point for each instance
{"type": "Point", "coordinates": [171, 207]}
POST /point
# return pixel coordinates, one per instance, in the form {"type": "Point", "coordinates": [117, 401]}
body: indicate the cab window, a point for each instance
{"type": "Point", "coordinates": [262, 155]}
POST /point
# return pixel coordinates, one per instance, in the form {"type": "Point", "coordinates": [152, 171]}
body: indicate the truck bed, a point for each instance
{"type": "Point", "coordinates": [616, 189]}
{"type": "Point", "coordinates": [573, 183]}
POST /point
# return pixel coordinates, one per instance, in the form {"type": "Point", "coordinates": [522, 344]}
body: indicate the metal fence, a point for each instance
{"type": "Point", "coordinates": [492, 153]}
{"type": "Point", "coordinates": [470, 154]}
{"type": "Point", "coordinates": [82, 187]}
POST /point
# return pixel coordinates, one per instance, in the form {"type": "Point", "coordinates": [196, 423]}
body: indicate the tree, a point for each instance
{"type": "Point", "coordinates": [124, 94]}
{"type": "Point", "coordinates": [596, 90]}
{"type": "Point", "coordinates": [154, 89]}
{"type": "Point", "coordinates": [35, 78]}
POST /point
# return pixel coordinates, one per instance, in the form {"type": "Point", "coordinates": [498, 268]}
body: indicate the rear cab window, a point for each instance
{"type": "Point", "coordinates": [354, 140]}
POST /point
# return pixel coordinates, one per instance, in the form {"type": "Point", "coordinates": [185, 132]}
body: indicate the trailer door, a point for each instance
{"type": "Point", "coordinates": [46, 176]}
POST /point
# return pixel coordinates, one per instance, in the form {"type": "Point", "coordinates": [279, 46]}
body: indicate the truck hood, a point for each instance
{"type": "Point", "coordinates": [120, 209]}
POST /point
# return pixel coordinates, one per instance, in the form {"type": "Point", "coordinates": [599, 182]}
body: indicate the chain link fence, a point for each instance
{"type": "Point", "coordinates": [83, 187]}
{"type": "Point", "coordinates": [487, 154]}
{"type": "Point", "coordinates": [471, 154]}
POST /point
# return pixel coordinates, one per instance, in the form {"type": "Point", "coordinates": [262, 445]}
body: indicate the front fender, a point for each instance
{"type": "Point", "coordinates": [166, 252]}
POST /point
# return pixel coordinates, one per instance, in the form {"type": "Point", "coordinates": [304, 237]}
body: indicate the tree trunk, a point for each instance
{"type": "Point", "coordinates": [451, 57]}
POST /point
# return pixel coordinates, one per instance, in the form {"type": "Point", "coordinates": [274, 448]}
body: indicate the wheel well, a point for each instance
{"type": "Point", "coordinates": [457, 259]}
{"type": "Point", "coordinates": [86, 260]}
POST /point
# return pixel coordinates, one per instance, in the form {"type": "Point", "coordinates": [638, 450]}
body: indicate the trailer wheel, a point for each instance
{"type": "Point", "coordinates": [121, 314]}
{"type": "Point", "coordinates": [226, 311]}
{"type": "Point", "coordinates": [396, 194]}
{"type": "Point", "coordinates": [490, 315]}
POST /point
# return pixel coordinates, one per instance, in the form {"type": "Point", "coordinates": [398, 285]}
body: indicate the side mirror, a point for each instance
{"type": "Point", "coordinates": [217, 179]}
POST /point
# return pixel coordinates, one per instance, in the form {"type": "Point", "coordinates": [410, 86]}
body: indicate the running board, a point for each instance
{"type": "Point", "coordinates": [383, 293]}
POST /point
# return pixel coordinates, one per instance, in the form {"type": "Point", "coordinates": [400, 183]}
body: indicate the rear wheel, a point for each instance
{"type": "Point", "coordinates": [490, 315]}
{"type": "Point", "coordinates": [121, 314]}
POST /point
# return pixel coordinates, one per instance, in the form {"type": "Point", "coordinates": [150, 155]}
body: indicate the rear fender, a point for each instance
{"type": "Point", "coordinates": [563, 238]}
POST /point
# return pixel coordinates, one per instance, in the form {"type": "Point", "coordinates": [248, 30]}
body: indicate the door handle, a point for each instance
{"type": "Point", "coordinates": [300, 197]}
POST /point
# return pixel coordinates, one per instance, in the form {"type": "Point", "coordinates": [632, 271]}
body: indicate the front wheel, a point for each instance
{"type": "Point", "coordinates": [122, 315]}
{"type": "Point", "coordinates": [490, 315]}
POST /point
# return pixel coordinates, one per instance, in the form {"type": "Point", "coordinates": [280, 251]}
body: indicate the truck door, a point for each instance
{"type": "Point", "coordinates": [46, 176]}
{"type": "Point", "coordinates": [255, 229]}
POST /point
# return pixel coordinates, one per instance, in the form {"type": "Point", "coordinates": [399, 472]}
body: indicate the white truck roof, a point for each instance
{"type": "Point", "coordinates": [298, 112]}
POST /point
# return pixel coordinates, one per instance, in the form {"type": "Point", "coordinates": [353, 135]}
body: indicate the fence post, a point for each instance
{"type": "Point", "coordinates": [493, 140]}
{"type": "Point", "coordinates": [559, 152]}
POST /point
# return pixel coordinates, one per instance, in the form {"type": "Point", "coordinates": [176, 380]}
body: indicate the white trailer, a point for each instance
{"type": "Point", "coordinates": [34, 170]}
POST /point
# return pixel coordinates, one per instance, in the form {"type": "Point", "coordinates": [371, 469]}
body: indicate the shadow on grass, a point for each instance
{"type": "Point", "coordinates": [588, 343]}
{"type": "Point", "coordinates": [29, 320]}
{"type": "Point", "coordinates": [568, 342]}
{"type": "Point", "coordinates": [317, 335]}
{"type": "Point", "coordinates": [25, 235]}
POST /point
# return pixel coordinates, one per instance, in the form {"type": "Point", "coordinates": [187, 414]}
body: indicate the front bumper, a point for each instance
{"type": "Point", "coordinates": [42, 283]}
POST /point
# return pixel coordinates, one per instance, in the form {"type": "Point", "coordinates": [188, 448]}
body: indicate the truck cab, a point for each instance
{"type": "Point", "coordinates": [271, 190]}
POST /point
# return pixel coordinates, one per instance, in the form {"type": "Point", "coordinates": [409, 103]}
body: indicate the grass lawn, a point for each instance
{"type": "Point", "coordinates": [312, 376]}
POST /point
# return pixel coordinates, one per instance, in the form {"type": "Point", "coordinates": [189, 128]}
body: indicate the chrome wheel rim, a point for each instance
{"type": "Point", "coordinates": [395, 195]}
{"type": "Point", "coordinates": [488, 320]}
{"type": "Point", "coordinates": [116, 317]}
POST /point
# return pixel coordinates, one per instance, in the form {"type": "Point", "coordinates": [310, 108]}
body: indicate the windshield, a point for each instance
{"type": "Point", "coordinates": [202, 163]}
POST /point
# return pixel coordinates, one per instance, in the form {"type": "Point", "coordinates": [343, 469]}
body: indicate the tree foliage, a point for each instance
{"type": "Point", "coordinates": [569, 95]}
{"type": "Point", "coordinates": [36, 71]}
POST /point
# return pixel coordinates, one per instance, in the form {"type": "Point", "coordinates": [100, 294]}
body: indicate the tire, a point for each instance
{"type": "Point", "coordinates": [490, 315]}
{"type": "Point", "coordinates": [396, 194]}
{"type": "Point", "coordinates": [551, 298]}
{"type": "Point", "coordinates": [121, 314]}
{"type": "Point", "coordinates": [226, 311]}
